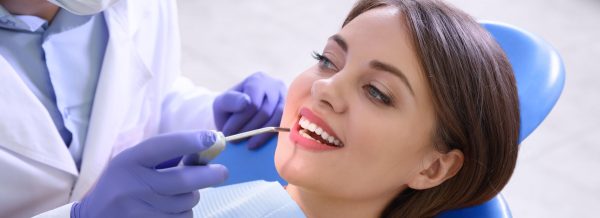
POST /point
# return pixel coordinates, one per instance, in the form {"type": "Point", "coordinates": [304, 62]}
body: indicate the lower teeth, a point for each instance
{"type": "Point", "coordinates": [304, 132]}
{"type": "Point", "coordinates": [306, 135]}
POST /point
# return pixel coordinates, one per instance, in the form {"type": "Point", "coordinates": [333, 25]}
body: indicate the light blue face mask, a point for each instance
{"type": "Point", "coordinates": [251, 199]}
{"type": "Point", "coordinates": [84, 7]}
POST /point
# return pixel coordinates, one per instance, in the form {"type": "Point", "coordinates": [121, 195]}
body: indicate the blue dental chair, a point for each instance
{"type": "Point", "coordinates": [540, 79]}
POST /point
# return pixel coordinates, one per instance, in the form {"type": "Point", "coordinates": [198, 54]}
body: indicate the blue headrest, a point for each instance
{"type": "Point", "coordinates": [540, 76]}
{"type": "Point", "coordinates": [539, 72]}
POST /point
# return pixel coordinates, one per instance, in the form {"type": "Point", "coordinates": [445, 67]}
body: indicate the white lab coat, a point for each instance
{"type": "Point", "coordinates": [139, 94]}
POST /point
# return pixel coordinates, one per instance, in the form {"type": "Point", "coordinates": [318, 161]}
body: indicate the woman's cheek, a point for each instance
{"type": "Point", "coordinates": [300, 87]}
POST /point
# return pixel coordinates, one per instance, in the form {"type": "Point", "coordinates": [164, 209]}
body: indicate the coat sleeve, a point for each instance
{"type": "Point", "coordinates": [59, 212]}
{"type": "Point", "coordinates": [187, 107]}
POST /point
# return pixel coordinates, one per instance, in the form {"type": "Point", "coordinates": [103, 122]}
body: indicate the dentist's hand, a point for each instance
{"type": "Point", "coordinates": [131, 186]}
{"type": "Point", "coordinates": [256, 102]}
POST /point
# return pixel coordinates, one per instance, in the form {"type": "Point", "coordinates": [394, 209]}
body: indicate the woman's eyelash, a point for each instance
{"type": "Point", "coordinates": [378, 95]}
{"type": "Point", "coordinates": [324, 62]}
{"type": "Point", "coordinates": [317, 56]}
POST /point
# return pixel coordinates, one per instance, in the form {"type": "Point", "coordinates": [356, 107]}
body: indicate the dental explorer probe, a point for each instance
{"type": "Point", "coordinates": [209, 154]}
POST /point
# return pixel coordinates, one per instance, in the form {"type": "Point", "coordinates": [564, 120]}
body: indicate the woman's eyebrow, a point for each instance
{"type": "Point", "coordinates": [340, 41]}
{"type": "Point", "coordinates": [378, 65]}
{"type": "Point", "coordinates": [375, 64]}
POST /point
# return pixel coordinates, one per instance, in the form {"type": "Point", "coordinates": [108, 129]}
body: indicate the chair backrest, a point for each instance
{"type": "Point", "coordinates": [540, 79]}
{"type": "Point", "coordinates": [540, 76]}
{"type": "Point", "coordinates": [246, 165]}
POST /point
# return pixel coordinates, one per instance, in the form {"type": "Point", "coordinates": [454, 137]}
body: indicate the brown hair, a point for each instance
{"type": "Point", "coordinates": [476, 103]}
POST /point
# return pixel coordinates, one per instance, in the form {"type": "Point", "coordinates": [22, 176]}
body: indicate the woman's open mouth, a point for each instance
{"type": "Point", "coordinates": [312, 132]}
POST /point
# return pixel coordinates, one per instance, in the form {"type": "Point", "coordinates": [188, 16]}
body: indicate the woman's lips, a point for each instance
{"type": "Point", "coordinates": [312, 144]}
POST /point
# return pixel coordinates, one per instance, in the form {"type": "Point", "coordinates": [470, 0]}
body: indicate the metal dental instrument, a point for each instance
{"type": "Point", "coordinates": [255, 132]}
{"type": "Point", "coordinates": [207, 155]}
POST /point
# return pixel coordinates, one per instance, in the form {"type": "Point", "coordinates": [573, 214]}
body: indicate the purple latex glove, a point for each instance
{"type": "Point", "coordinates": [131, 186]}
{"type": "Point", "coordinates": [256, 102]}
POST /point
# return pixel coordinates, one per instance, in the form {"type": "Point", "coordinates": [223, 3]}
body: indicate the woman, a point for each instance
{"type": "Point", "coordinates": [411, 110]}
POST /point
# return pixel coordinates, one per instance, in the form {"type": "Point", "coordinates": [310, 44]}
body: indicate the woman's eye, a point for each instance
{"type": "Point", "coordinates": [324, 62]}
{"type": "Point", "coordinates": [377, 95]}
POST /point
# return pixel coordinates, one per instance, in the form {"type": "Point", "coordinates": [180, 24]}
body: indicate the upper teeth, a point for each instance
{"type": "Point", "coordinates": [305, 124]}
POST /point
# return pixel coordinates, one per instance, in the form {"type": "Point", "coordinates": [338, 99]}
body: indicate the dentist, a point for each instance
{"type": "Point", "coordinates": [94, 115]}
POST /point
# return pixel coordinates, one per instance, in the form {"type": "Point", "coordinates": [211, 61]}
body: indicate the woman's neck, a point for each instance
{"type": "Point", "coordinates": [40, 8]}
{"type": "Point", "coordinates": [315, 204]}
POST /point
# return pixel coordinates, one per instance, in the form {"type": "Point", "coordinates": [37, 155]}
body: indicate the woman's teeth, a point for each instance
{"type": "Point", "coordinates": [318, 131]}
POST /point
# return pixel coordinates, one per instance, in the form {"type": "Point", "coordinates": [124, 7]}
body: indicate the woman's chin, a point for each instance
{"type": "Point", "coordinates": [291, 166]}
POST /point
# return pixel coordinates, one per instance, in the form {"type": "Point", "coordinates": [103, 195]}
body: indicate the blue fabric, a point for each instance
{"type": "Point", "coordinates": [251, 199]}
{"type": "Point", "coordinates": [60, 63]}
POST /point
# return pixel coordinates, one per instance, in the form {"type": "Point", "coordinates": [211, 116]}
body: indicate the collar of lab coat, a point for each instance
{"type": "Point", "coordinates": [30, 130]}
{"type": "Point", "coordinates": [27, 127]}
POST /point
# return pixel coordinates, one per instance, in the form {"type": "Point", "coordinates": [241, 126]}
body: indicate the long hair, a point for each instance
{"type": "Point", "coordinates": [475, 99]}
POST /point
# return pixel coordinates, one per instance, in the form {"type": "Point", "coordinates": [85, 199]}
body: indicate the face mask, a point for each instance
{"type": "Point", "coordinates": [84, 7]}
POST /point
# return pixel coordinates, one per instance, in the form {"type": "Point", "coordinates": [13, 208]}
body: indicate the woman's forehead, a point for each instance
{"type": "Point", "coordinates": [381, 19]}
{"type": "Point", "coordinates": [380, 33]}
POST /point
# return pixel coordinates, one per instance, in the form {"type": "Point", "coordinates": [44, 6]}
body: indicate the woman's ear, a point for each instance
{"type": "Point", "coordinates": [442, 167]}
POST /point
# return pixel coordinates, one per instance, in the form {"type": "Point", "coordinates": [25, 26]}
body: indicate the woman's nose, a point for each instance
{"type": "Point", "coordinates": [328, 94]}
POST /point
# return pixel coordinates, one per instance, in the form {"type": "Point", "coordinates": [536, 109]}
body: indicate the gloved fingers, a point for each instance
{"type": "Point", "coordinates": [254, 78]}
{"type": "Point", "coordinates": [170, 163]}
{"type": "Point", "coordinates": [232, 101]}
{"type": "Point", "coordinates": [174, 204]}
{"type": "Point", "coordinates": [184, 179]}
{"type": "Point", "coordinates": [185, 214]}
{"type": "Point", "coordinates": [159, 149]}
{"type": "Point", "coordinates": [140, 208]}
{"type": "Point", "coordinates": [260, 117]}
{"type": "Point", "coordinates": [237, 120]}
{"type": "Point", "coordinates": [266, 110]}
{"type": "Point", "coordinates": [228, 103]}
{"type": "Point", "coordinates": [275, 120]}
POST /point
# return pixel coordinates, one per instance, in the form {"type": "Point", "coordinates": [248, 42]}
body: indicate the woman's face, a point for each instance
{"type": "Point", "coordinates": [369, 95]}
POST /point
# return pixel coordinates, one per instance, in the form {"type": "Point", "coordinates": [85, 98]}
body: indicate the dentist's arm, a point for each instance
{"type": "Point", "coordinates": [132, 187]}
